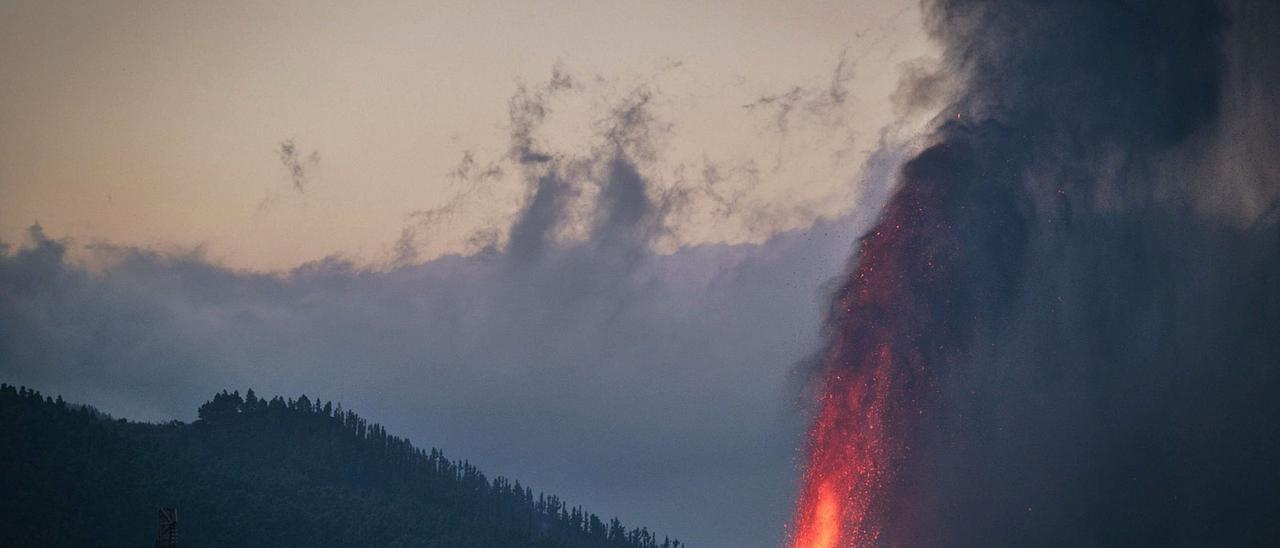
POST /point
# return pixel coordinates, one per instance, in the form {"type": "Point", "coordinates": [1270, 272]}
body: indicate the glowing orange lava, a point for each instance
{"type": "Point", "coordinates": [824, 529]}
{"type": "Point", "coordinates": [848, 461]}
{"type": "Point", "coordinates": [887, 322]}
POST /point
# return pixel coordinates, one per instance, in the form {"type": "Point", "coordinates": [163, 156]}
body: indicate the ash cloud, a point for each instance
{"type": "Point", "coordinates": [826, 104]}
{"type": "Point", "coordinates": [297, 163]}
{"type": "Point", "coordinates": [1105, 368]}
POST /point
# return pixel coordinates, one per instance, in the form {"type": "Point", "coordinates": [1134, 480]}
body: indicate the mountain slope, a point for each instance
{"type": "Point", "coordinates": [253, 472]}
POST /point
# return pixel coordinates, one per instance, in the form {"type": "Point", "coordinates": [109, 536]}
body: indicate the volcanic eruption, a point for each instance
{"type": "Point", "coordinates": [1057, 327]}
{"type": "Point", "coordinates": [906, 308]}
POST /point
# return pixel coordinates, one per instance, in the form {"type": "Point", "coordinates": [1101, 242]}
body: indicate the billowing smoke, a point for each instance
{"type": "Point", "coordinates": [1063, 328]}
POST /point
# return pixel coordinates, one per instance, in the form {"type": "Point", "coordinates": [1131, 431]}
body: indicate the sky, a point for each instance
{"type": "Point", "coordinates": [615, 251]}
{"type": "Point", "coordinates": [160, 123]}
{"type": "Point", "coordinates": [581, 246]}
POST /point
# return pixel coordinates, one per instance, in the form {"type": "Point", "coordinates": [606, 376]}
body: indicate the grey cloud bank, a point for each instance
{"type": "Point", "coordinates": [647, 385]}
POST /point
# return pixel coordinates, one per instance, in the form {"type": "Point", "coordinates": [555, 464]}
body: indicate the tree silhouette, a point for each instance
{"type": "Point", "coordinates": [255, 472]}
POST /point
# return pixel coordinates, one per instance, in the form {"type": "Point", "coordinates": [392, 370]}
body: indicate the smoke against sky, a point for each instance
{"type": "Point", "coordinates": [567, 352]}
{"type": "Point", "coordinates": [1066, 315]}
{"type": "Point", "coordinates": [160, 125]}
{"type": "Point", "coordinates": [559, 304]}
{"type": "Point", "coordinates": [551, 304]}
{"type": "Point", "coordinates": [296, 164]}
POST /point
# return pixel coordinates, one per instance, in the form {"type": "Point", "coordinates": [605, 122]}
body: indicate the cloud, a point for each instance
{"type": "Point", "coordinates": [826, 104]}
{"type": "Point", "coordinates": [568, 352]}
{"type": "Point", "coordinates": [638, 384]}
{"type": "Point", "coordinates": [296, 164]}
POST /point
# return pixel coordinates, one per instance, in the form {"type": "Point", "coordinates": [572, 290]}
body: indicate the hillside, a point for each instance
{"type": "Point", "coordinates": [257, 472]}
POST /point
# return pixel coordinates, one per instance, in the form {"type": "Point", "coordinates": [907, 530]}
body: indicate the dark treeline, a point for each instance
{"type": "Point", "coordinates": [258, 472]}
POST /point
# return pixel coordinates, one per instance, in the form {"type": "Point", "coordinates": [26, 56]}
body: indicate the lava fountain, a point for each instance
{"type": "Point", "coordinates": [892, 325]}
{"type": "Point", "coordinates": [1054, 310]}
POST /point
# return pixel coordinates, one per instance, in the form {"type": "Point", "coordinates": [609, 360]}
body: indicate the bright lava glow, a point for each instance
{"type": "Point", "coordinates": [846, 467]}
{"type": "Point", "coordinates": [884, 331]}
{"type": "Point", "coordinates": [824, 528]}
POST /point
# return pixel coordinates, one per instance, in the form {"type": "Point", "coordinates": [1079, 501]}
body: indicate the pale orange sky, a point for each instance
{"type": "Point", "coordinates": [157, 123]}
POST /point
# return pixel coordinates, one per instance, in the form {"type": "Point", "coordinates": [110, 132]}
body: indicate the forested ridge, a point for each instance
{"type": "Point", "coordinates": [257, 472]}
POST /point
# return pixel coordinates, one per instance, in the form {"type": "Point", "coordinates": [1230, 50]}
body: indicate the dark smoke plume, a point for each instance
{"type": "Point", "coordinates": [1080, 282]}
{"type": "Point", "coordinates": [293, 161]}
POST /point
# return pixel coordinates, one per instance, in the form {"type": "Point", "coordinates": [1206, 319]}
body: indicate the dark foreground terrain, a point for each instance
{"type": "Point", "coordinates": [256, 472]}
